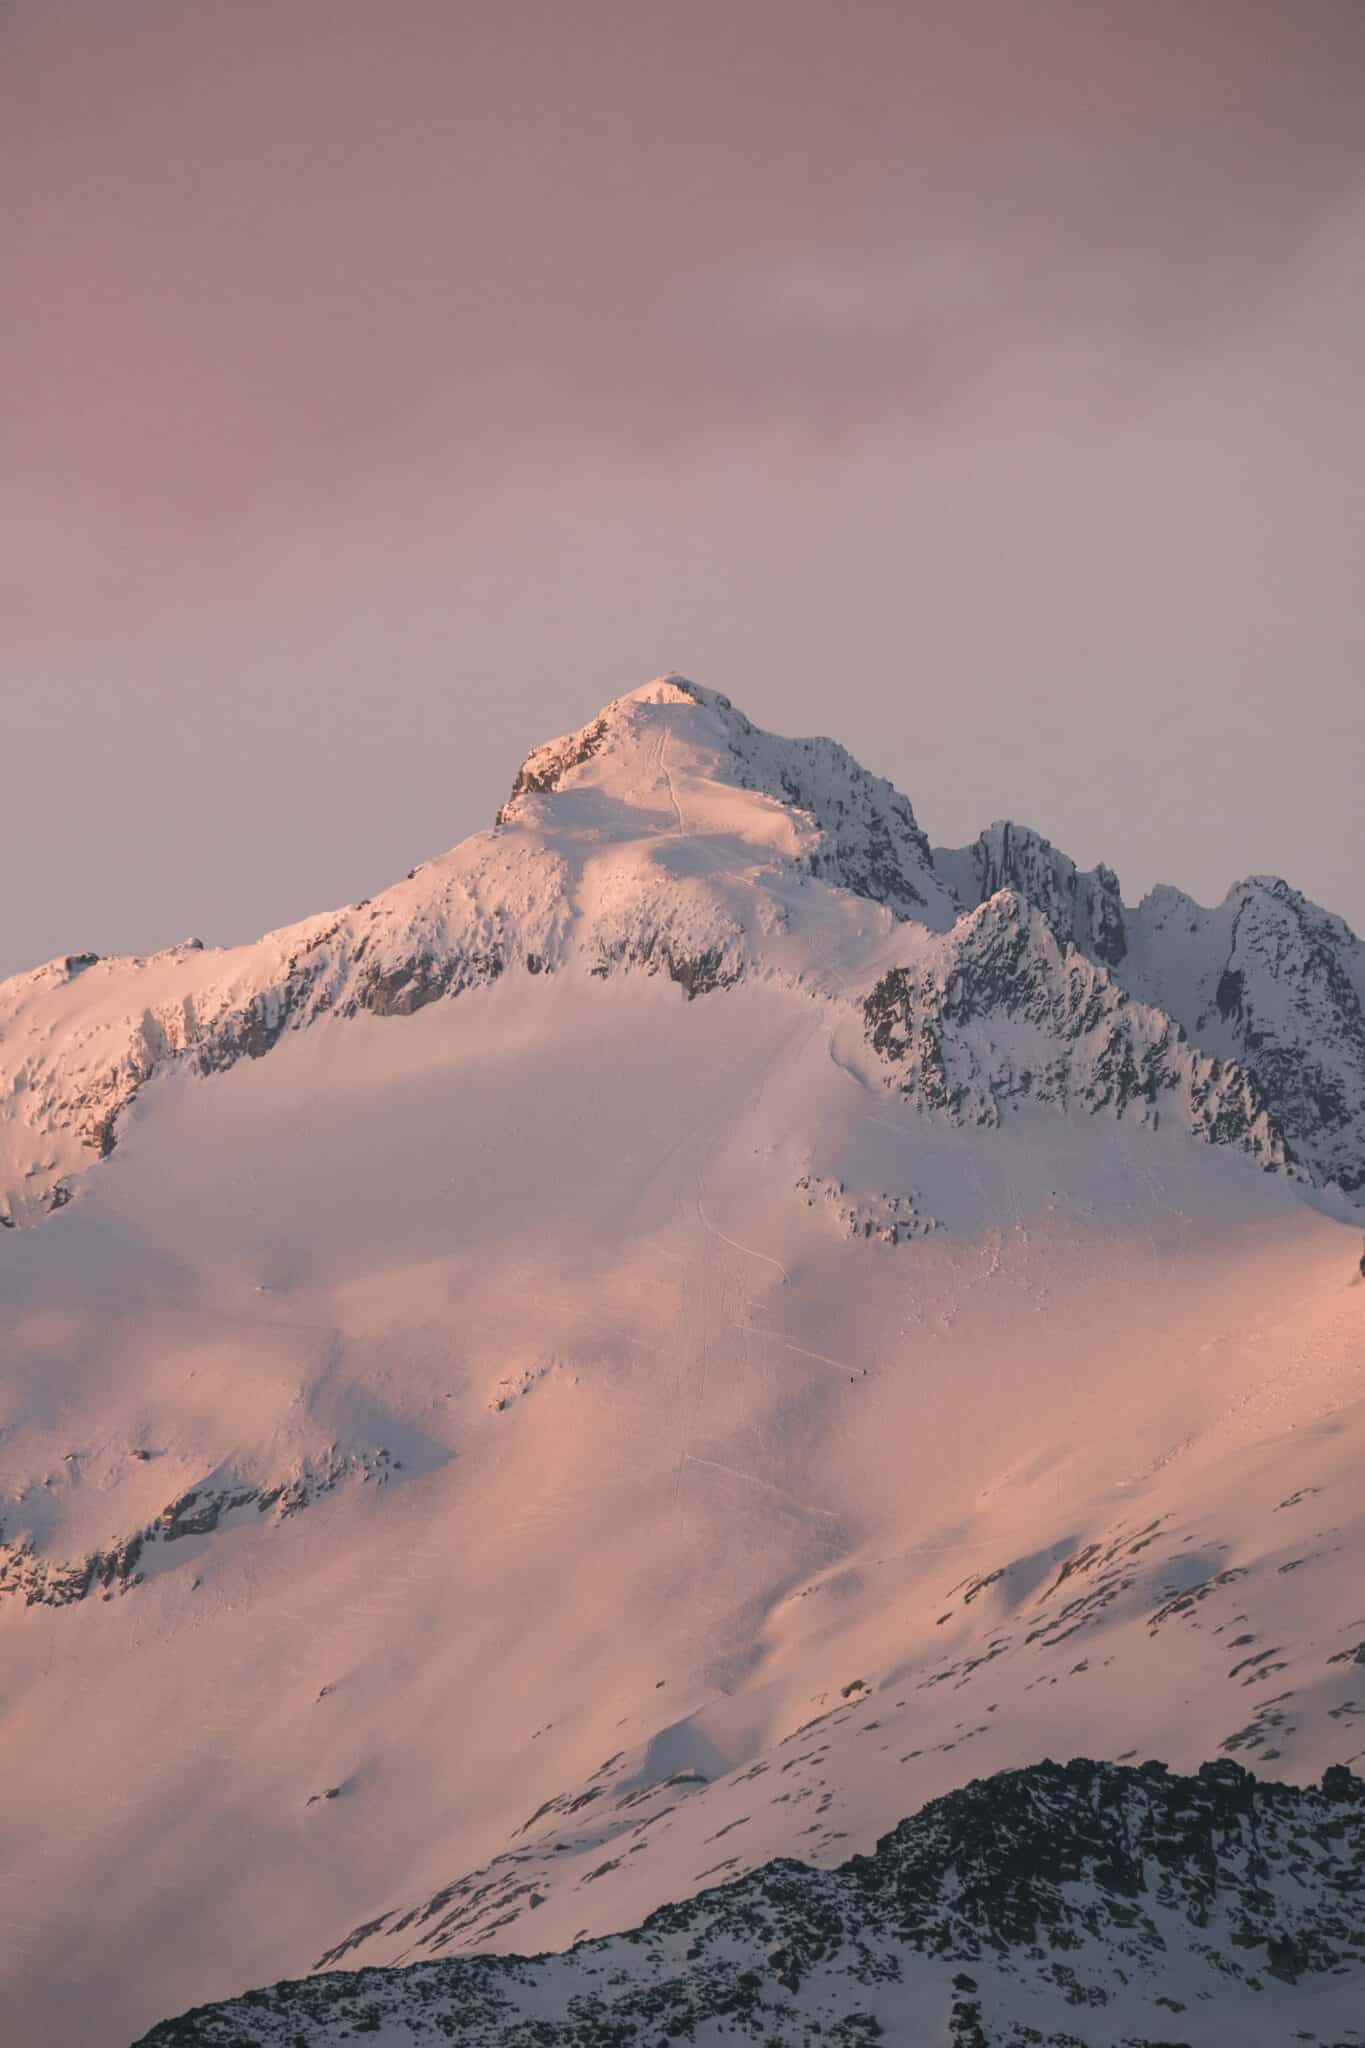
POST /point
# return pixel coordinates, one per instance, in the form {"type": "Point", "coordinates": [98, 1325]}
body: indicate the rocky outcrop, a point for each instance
{"type": "Point", "coordinates": [886, 1217]}
{"type": "Point", "coordinates": [1272, 981]}
{"type": "Point", "coordinates": [1266, 980]}
{"type": "Point", "coordinates": [997, 1012]}
{"type": "Point", "coordinates": [1082, 909]}
{"type": "Point", "coordinates": [27, 1575]}
{"type": "Point", "coordinates": [1085, 1902]}
{"type": "Point", "coordinates": [544, 770]}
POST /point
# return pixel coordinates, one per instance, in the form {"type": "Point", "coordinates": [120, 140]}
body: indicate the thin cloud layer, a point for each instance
{"type": "Point", "coordinates": [268, 268]}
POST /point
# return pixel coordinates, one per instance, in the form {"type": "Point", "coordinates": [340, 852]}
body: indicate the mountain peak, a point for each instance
{"type": "Point", "coordinates": [622, 729]}
{"type": "Point", "coordinates": [673, 758]}
{"type": "Point", "coordinates": [671, 835]}
{"type": "Point", "coordinates": [672, 688]}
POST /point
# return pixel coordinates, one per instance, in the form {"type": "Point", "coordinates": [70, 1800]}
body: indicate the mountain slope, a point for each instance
{"type": "Point", "coordinates": [588, 1280]}
{"type": "Point", "coordinates": [1126, 1903]}
{"type": "Point", "coordinates": [474, 1471]}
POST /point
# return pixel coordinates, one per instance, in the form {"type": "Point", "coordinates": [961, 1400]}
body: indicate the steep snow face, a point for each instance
{"type": "Point", "coordinates": [80, 1037]}
{"type": "Point", "coordinates": [1138, 1906]}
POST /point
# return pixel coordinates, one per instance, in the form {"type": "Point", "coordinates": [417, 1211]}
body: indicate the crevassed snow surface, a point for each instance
{"type": "Point", "coordinates": [483, 1427]}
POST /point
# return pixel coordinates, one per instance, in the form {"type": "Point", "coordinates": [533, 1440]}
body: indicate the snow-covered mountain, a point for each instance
{"type": "Point", "coordinates": [687, 1328]}
{"type": "Point", "coordinates": [671, 835]}
{"type": "Point", "coordinates": [1128, 1904]}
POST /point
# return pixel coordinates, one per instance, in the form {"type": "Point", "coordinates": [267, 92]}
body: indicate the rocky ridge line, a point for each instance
{"type": "Point", "coordinates": [1078, 1040]}
{"type": "Point", "coordinates": [1125, 1907]}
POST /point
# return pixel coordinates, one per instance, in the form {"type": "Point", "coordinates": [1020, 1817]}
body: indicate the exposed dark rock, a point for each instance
{"type": "Point", "coordinates": [1284, 995]}
{"type": "Point", "coordinates": [1081, 909]}
{"type": "Point", "coordinates": [41, 1581]}
{"type": "Point", "coordinates": [697, 974]}
{"type": "Point", "coordinates": [545, 769]}
{"type": "Point", "coordinates": [1097, 1049]}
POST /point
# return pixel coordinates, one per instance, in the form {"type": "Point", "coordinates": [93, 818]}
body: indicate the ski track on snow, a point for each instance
{"type": "Point", "coordinates": [855, 1372]}
{"type": "Point", "coordinates": [680, 830]}
{"type": "Point", "coordinates": [751, 1251]}
{"type": "Point", "coordinates": [752, 1479]}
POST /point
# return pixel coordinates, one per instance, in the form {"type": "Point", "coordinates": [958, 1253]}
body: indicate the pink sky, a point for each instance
{"type": "Point", "coordinates": [388, 385]}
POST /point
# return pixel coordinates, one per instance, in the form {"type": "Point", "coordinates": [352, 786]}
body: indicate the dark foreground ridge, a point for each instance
{"type": "Point", "coordinates": [1080, 1905]}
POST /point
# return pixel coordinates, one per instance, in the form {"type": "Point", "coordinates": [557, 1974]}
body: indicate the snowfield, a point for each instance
{"type": "Point", "coordinates": [687, 1329]}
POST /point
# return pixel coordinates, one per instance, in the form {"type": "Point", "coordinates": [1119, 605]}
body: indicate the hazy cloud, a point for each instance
{"type": "Point", "coordinates": [257, 257]}
{"type": "Point", "coordinates": [388, 382]}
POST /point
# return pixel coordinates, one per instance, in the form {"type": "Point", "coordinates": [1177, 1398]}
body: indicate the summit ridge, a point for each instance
{"type": "Point", "coordinates": [672, 835]}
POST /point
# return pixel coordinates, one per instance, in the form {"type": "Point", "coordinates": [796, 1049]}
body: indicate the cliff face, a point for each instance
{"type": "Point", "coordinates": [1081, 909]}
